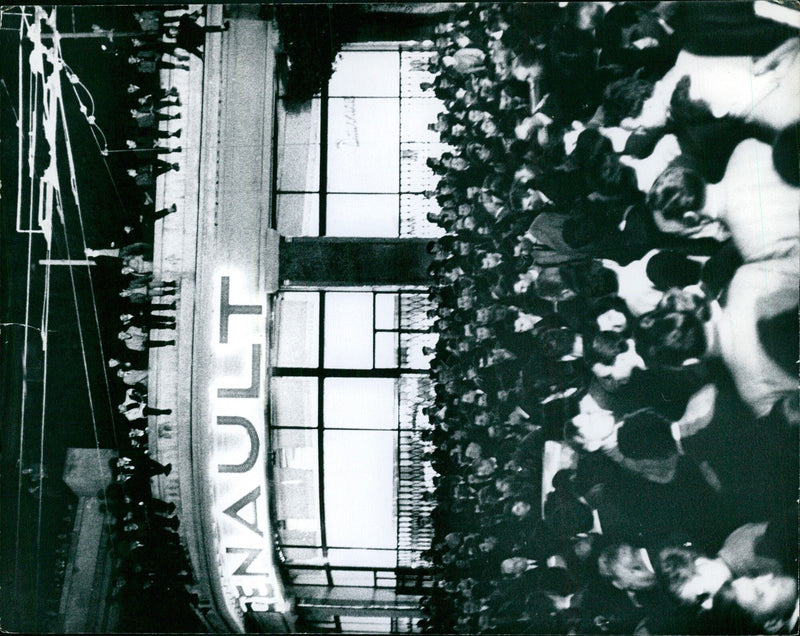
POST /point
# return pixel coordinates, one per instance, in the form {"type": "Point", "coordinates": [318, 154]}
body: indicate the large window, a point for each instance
{"type": "Point", "coordinates": [349, 380]}
{"type": "Point", "coordinates": [352, 162]}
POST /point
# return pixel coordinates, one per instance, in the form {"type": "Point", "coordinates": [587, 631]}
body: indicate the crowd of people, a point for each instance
{"type": "Point", "coordinates": [618, 277]}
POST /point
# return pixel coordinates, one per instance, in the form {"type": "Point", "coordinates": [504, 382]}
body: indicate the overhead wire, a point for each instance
{"type": "Point", "coordinates": [32, 115]}
{"type": "Point", "coordinates": [45, 325]}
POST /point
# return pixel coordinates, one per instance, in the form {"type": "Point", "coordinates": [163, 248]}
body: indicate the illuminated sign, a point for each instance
{"type": "Point", "coordinates": [238, 465]}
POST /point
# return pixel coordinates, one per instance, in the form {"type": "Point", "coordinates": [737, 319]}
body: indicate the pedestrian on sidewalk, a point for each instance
{"type": "Point", "coordinates": [148, 117]}
{"type": "Point", "coordinates": [151, 46]}
{"type": "Point", "coordinates": [146, 66]}
{"type": "Point", "coordinates": [148, 322]}
{"type": "Point", "coordinates": [133, 377]}
{"type": "Point", "coordinates": [136, 339]}
{"type": "Point", "coordinates": [145, 176]}
{"type": "Point", "coordinates": [191, 36]}
{"type": "Point", "coordinates": [149, 216]}
{"type": "Point", "coordinates": [160, 93]}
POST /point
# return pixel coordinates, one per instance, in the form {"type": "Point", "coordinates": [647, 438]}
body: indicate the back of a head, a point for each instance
{"type": "Point", "coordinates": [590, 148]}
{"type": "Point", "coordinates": [591, 279]}
{"type": "Point", "coordinates": [613, 178]}
{"type": "Point", "coordinates": [646, 435]}
{"type": "Point", "coordinates": [557, 342]}
{"type": "Point", "coordinates": [618, 17]}
{"type": "Point", "coordinates": [684, 110]}
{"type": "Point", "coordinates": [668, 269]}
{"type": "Point", "coordinates": [677, 190]}
{"type": "Point", "coordinates": [669, 338]}
{"type": "Point", "coordinates": [603, 305]}
{"type": "Point", "coordinates": [625, 98]}
{"type": "Point", "coordinates": [604, 346]}
{"type": "Point", "coordinates": [675, 566]}
{"type": "Point", "coordinates": [785, 154]}
{"type": "Point", "coordinates": [566, 515]}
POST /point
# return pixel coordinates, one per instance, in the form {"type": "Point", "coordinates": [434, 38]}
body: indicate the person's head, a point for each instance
{"type": "Point", "coordinates": [612, 358]}
{"type": "Point", "coordinates": [584, 16]}
{"type": "Point", "coordinates": [557, 584]}
{"type": "Point", "coordinates": [610, 313]}
{"type": "Point", "coordinates": [668, 338]}
{"type": "Point", "coordinates": [785, 151]}
{"type": "Point", "coordinates": [591, 279]}
{"type": "Point", "coordinates": [683, 109]}
{"type": "Point", "coordinates": [551, 284]}
{"type": "Point", "coordinates": [567, 516]}
{"type": "Point", "coordinates": [676, 200]}
{"type": "Point", "coordinates": [583, 545]}
{"type": "Point", "coordinates": [767, 601]}
{"type": "Point", "coordinates": [668, 269]}
{"type": "Point", "coordinates": [478, 152]}
{"type": "Point", "coordinates": [457, 163]}
{"type": "Point", "coordinates": [591, 431]}
{"type": "Point", "coordinates": [559, 343]}
{"type": "Point", "coordinates": [689, 577]}
{"type": "Point", "coordinates": [590, 148]}
{"type": "Point", "coordinates": [645, 434]}
{"type": "Point", "coordinates": [645, 441]}
{"type": "Point", "coordinates": [626, 568]}
{"type": "Point", "coordinates": [526, 67]}
{"type": "Point", "coordinates": [524, 197]}
{"type": "Point", "coordinates": [514, 566]}
{"type": "Point", "coordinates": [625, 98]}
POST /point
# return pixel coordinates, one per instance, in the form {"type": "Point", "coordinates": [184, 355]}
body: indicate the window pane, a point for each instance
{"type": "Point", "coordinates": [386, 579]}
{"type": "Point", "coordinates": [298, 214]}
{"type": "Point", "coordinates": [366, 624]}
{"type": "Point", "coordinates": [299, 124]}
{"type": "Point", "coordinates": [415, 115]}
{"type": "Point", "coordinates": [414, 311]}
{"type": "Point", "coordinates": [306, 556]}
{"type": "Point", "coordinates": [360, 403]}
{"type": "Point", "coordinates": [414, 209]}
{"type": "Point", "coordinates": [411, 355]}
{"type": "Point", "coordinates": [353, 578]}
{"type": "Point", "coordinates": [298, 329]}
{"type": "Point", "coordinates": [297, 486]}
{"type": "Point", "coordinates": [363, 145]}
{"type": "Point", "coordinates": [298, 146]}
{"type": "Point", "coordinates": [294, 401]}
{"type": "Point", "coordinates": [365, 558]}
{"type": "Point", "coordinates": [360, 489]}
{"type": "Point", "coordinates": [386, 350]}
{"type": "Point", "coordinates": [414, 71]}
{"type": "Point", "coordinates": [308, 577]}
{"type": "Point", "coordinates": [370, 215]}
{"type": "Point", "coordinates": [365, 73]}
{"type": "Point", "coordinates": [298, 168]}
{"type": "Point", "coordinates": [415, 175]}
{"type": "Point", "coordinates": [348, 330]}
{"type": "Point", "coordinates": [386, 311]}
